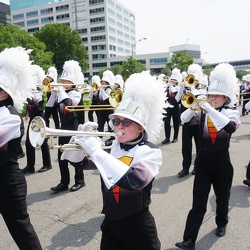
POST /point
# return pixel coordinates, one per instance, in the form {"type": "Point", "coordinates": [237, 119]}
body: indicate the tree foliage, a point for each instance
{"type": "Point", "coordinates": [12, 36]}
{"type": "Point", "coordinates": [180, 61]}
{"type": "Point", "coordinates": [66, 44]}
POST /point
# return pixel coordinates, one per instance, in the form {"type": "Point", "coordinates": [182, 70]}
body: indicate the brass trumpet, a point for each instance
{"type": "Point", "coordinates": [38, 132]}
{"type": "Point", "coordinates": [188, 100]}
{"type": "Point", "coordinates": [46, 86]}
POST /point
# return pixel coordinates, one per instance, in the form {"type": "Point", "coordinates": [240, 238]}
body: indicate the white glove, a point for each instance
{"type": "Point", "coordinates": [103, 94]}
{"type": "Point", "coordinates": [173, 89]}
{"type": "Point", "coordinates": [206, 106]}
{"type": "Point", "coordinates": [88, 126]}
{"type": "Point", "coordinates": [73, 155]}
{"type": "Point", "coordinates": [90, 144]}
{"type": "Point", "coordinates": [203, 97]}
{"type": "Point", "coordinates": [247, 106]}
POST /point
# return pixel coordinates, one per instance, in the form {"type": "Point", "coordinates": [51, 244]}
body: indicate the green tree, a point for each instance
{"type": "Point", "coordinates": [131, 66]}
{"type": "Point", "coordinates": [66, 44]}
{"type": "Point", "coordinates": [12, 36]}
{"type": "Point", "coordinates": [180, 61]}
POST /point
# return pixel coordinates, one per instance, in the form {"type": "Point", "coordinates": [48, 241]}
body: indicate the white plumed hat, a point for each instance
{"type": "Point", "coordinates": [16, 75]}
{"type": "Point", "coordinates": [247, 78]}
{"type": "Point", "coordinates": [176, 75]}
{"type": "Point", "coordinates": [38, 74]}
{"type": "Point", "coordinates": [196, 70]}
{"type": "Point", "coordinates": [109, 77]}
{"type": "Point", "coordinates": [223, 81]}
{"type": "Point", "coordinates": [72, 72]}
{"type": "Point", "coordinates": [119, 80]}
{"type": "Point", "coordinates": [96, 79]}
{"type": "Point", "coordinates": [144, 107]}
{"type": "Point", "coordinates": [52, 72]}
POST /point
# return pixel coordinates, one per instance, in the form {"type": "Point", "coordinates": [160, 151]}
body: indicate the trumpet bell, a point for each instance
{"type": "Point", "coordinates": [115, 97]}
{"type": "Point", "coordinates": [190, 80]}
{"type": "Point", "coordinates": [188, 100]}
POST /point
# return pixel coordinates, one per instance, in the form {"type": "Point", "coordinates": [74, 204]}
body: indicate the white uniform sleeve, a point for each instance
{"type": "Point", "coordinates": [9, 126]}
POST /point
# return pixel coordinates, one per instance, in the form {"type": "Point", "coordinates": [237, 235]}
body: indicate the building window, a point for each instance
{"type": "Point", "coordinates": [96, 11]}
{"type": "Point", "coordinates": [46, 11]}
{"type": "Point", "coordinates": [112, 29]}
{"type": "Point", "coordinates": [18, 16]}
{"type": "Point", "coordinates": [158, 60]}
{"type": "Point", "coordinates": [111, 20]}
{"type": "Point", "coordinates": [32, 30]}
{"type": "Point", "coordinates": [112, 47]}
{"type": "Point", "coordinates": [32, 22]}
{"type": "Point", "coordinates": [98, 38]}
{"type": "Point", "coordinates": [97, 29]}
{"type": "Point", "coordinates": [84, 39]}
{"type": "Point", "coordinates": [63, 7]}
{"type": "Point", "coordinates": [63, 16]}
{"type": "Point", "coordinates": [98, 47]}
{"type": "Point", "coordinates": [99, 65]}
{"type": "Point", "coordinates": [111, 12]}
{"type": "Point", "coordinates": [97, 20]}
{"type": "Point", "coordinates": [47, 19]}
{"type": "Point", "coordinates": [111, 2]}
{"type": "Point", "coordinates": [82, 31]}
{"type": "Point", "coordinates": [31, 14]}
{"type": "Point", "coordinates": [95, 1]}
{"type": "Point", "coordinates": [99, 56]}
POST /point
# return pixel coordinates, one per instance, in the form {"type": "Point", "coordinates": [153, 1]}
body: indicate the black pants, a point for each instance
{"type": "Point", "coordinates": [63, 164]}
{"type": "Point", "coordinates": [31, 152]}
{"type": "Point", "coordinates": [13, 207]}
{"type": "Point", "coordinates": [132, 233]}
{"type": "Point", "coordinates": [248, 171]}
{"type": "Point", "coordinates": [189, 132]}
{"type": "Point", "coordinates": [54, 112]}
{"type": "Point", "coordinates": [103, 117]}
{"type": "Point", "coordinates": [173, 113]}
{"type": "Point", "coordinates": [215, 170]}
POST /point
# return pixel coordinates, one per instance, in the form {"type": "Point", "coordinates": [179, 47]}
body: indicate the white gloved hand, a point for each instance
{"type": "Point", "coordinates": [203, 97]}
{"type": "Point", "coordinates": [90, 144]}
{"type": "Point", "coordinates": [88, 127]}
{"type": "Point", "coordinates": [247, 106]}
{"type": "Point", "coordinates": [206, 106]}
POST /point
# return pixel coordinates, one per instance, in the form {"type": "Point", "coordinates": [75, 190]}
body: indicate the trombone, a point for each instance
{"type": "Point", "coordinates": [115, 98]}
{"type": "Point", "coordinates": [38, 132]}
{"type": "Point", "coordinates": [188, 100]}
{"type": "Point", "coordinates": [46, 86]}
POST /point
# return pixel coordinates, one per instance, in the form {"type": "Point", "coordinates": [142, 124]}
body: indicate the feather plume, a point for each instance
{"type": "Point", "coordinates": [109, 77]}
{"type": "Point", "coordinates": [52, 72]}
{"type": "Point", "coordinates": [147, 92]}
{"type": "Point", "coordinates": [225, 74]}
{"type": "Point", "coordinates": [72, 72]}
{"type": "Point", "coordinates": [16, 75]}
{"type": "Point", "coordinates": [196, 70]}
{"type": "Point", "coordinates": [38, 74]}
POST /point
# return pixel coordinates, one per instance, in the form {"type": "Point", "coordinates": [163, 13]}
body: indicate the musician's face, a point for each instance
{"type": "Point", "coordinates": [3, 95]}
{"type": "Point", "coordinates": [218, 100]}
{"type": "Point", "coordinates": [129, 130]}
{"type": "Point", "coordinates": [67, 82]}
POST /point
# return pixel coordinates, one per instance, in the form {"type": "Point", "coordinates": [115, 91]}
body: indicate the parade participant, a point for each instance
{"type": "Point", "coordinates": [15, 86]}
{"type": "Point", "coordinates": [247, 180]}
{"type": "Point", "coordinates": [213, 165]}
{"type": "Point", "coordinates": [191, 129]}
{"type": "Point", "coordinates": [103, 99]}
{"type": "Point", "coordinates": [52, 104]}
{"type": "Point", "coordinates": [118, 82]}
{"type": "Point", "coordinates": [93, 95]}
{"type": "Point", "coordinates": [245, 95]}
{"type": "Point", "coordinates": [35, 108]}
{"type": "Point", "coordinates": [68, 96]}
{"type": "Point", "coordinates": [173, 111]}
{"type": "Point", "coordinates": [128, 172]}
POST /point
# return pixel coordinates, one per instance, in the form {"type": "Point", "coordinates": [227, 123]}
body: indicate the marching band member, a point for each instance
{"type": "Point", "coordinates": [128, 171]}
{"type": "Point", "coordinates": [103, 99]}
{"type": "Point", "coordinates": [52, 104]}
{"type": "Point", "coordinates": [191, 129]}
{"type": "Point", "coordinates": [246, 95]}
{"type": "Point", "coordinates": [93, 95]}
{"type": "Point", "coordinates": [16, 86]}
{"type": "Point", "coordinates": [213, 165]}
{"type": "Point", "coordinates": [68, 96]}
{"type": "Point", "coordinates": [118, 82]}
{"type": "Point", "coordinates": [35, 108]}
{"type": "Point", "coordinates": [172, 111]}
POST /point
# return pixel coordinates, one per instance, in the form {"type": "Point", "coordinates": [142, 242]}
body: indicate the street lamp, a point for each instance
{"type": "Point", "coordinates": [133, 45]}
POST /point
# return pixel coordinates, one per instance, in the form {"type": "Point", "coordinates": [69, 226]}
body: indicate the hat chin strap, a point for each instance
{"type": "Point", "coordinates": [136, 141]}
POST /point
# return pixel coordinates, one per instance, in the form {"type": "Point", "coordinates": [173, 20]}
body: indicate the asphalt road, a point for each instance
{"type": "Point", "coordinates": [71, 220]}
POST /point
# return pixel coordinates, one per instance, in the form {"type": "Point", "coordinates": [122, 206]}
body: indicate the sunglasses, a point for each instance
{"type": "Point", "coordinates": [125, 122]}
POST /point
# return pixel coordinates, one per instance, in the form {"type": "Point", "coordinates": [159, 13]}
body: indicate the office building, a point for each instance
{"type": "Point", "coordinates": [107, 27]}
{"type": "Point", "coordinates": [5, 17]}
